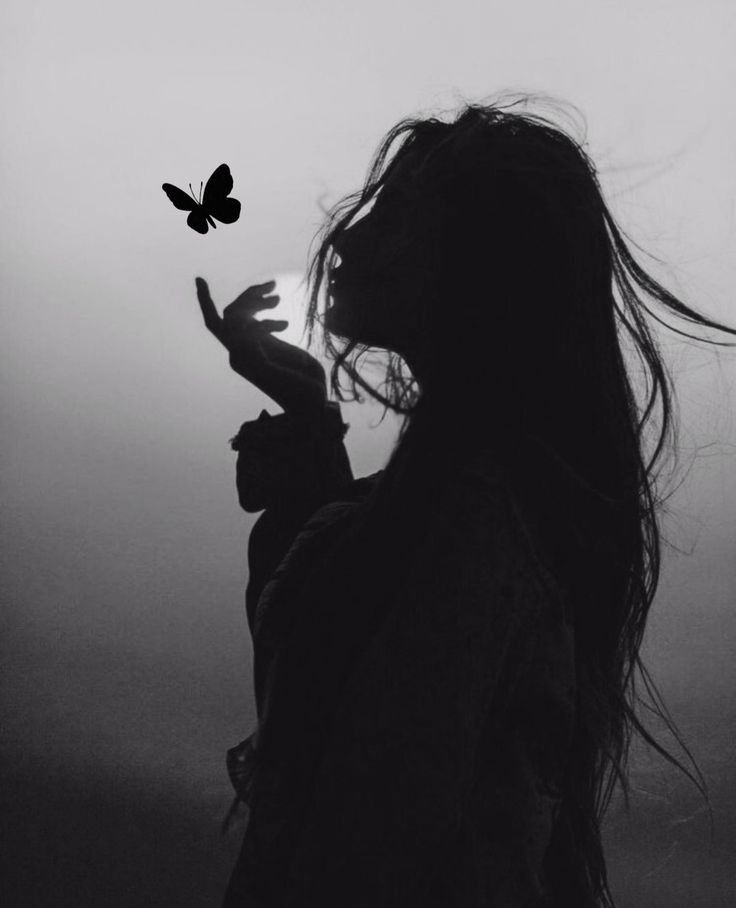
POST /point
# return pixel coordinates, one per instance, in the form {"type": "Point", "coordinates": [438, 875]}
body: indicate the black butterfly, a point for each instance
{"type": "Point", "coordinates": [214, 204]}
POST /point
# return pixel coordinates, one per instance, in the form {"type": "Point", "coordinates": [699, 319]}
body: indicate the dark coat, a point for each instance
{"type": "Point", "coordinates": [424, 766]}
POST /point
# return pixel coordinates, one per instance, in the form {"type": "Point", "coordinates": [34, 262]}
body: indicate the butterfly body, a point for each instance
{"type": "Point", "coordinates": [215, 203]}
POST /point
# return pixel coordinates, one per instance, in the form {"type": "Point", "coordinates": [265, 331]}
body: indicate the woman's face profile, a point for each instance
{"type": "Point", "coordinates": [374, 288]}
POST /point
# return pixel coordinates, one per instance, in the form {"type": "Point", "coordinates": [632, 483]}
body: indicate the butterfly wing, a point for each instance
{"type": "Point", "coordinates": [179, 198]}
{"type": "Point", "coordinates": [197, 220]}
{"type": "Point", "coordinates": [219, 184]}
{"type": "Point", "coordinates": [215, 201]}
{"type": "Point", "coordinates": [225, 210]}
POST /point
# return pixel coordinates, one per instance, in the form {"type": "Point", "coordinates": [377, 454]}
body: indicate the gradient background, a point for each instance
{"type": "Point", "coordinates": [126, 658]}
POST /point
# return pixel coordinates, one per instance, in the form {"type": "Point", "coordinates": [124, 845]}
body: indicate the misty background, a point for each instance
{"type": "Point", "coordinates": [125, 652]}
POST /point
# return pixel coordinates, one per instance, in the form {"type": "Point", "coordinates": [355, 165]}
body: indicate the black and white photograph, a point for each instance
{"type": "Point", "coordinates": [368, 454]}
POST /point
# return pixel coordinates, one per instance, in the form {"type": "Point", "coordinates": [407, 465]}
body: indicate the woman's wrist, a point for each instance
{"type": "Point", "coordinates": [313, 416]}
{"type": "Point", "coordinates": [307, 410]}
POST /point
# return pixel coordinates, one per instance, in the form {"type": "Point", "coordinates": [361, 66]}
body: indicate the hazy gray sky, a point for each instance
{"type": "Point", "coordinates": [124, 546]}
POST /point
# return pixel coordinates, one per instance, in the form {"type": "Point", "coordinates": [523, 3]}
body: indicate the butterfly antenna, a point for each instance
{"type": "Point", "coordinates": [192, 192]}
{"type": "Point", "coordinates": [200, 192]}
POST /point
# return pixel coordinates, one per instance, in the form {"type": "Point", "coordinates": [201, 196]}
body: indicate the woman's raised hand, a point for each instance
{"type": "Point", "coordinates": [290, 376]}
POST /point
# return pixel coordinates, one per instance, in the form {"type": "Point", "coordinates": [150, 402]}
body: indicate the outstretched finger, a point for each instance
{"type": "Point", "coordinates": [210, 314]}
{"type": "Point", "coordinates": [254, 297]}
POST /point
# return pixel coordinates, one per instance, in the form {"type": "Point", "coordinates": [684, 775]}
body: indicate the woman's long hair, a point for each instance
{"type": "Point", "coordinates": [527, 299]}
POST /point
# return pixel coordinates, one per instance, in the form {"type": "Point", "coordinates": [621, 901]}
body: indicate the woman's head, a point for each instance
{"type": "Point", "coordinates": [490, 265]}
{"type": "Point", "coordinates": [375, 289]}
{"type": "Point", "coordinates": [477, 263]}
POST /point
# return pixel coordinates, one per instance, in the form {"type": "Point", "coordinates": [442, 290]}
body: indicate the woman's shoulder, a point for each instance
{"type": "Point", "coordinates": [341, 507]}
{"type": "Point", "coordinates": [358, 489]}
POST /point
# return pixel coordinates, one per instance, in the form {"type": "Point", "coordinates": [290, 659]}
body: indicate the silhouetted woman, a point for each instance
{"type": "Point", "coordinates": [445, 651]}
